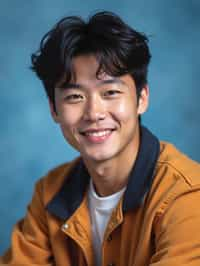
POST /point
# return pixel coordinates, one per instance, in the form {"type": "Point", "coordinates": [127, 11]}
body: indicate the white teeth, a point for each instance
{"type": "Point", "coordinates": [99, 133]}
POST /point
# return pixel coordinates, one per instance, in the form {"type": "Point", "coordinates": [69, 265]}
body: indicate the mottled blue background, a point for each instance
{"type": "Point", "coordinates": [31, 143]}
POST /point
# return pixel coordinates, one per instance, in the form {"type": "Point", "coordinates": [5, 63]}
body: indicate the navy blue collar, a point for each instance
{"type": "Point", "coordinates": [71, 194]}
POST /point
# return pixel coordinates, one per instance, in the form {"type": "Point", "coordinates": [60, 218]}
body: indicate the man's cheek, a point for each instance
{"type": "Point", "coordinates": [125, 112]}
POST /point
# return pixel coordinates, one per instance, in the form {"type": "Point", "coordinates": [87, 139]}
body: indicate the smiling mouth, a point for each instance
{"type": "Point", "coordinates": [97, 136]}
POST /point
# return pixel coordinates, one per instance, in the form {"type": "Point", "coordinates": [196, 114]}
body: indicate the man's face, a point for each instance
{"type": "Point", "coordinates": [99, 116]}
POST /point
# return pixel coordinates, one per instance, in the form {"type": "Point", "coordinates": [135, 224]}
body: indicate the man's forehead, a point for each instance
{"type": "Point", "coordinates": [83, 68]}
{"type": "Point", "coordinates": [86, 71]}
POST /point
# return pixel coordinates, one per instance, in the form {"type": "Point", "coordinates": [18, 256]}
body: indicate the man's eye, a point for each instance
{"type": "Point", "coordinates": [112, 93]}
{"type": "Point", "coordinates": [74, 97]}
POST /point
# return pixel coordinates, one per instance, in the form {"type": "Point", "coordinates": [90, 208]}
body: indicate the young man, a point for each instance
{"type": "Point", "coordinates": [129, 199]}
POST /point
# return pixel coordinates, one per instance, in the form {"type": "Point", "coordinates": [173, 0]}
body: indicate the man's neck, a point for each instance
{"type": "Point", "coordinates": [111, 176]}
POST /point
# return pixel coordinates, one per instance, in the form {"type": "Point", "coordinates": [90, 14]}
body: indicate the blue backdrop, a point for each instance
{"type": "Point", "coordinates": [31, 143]}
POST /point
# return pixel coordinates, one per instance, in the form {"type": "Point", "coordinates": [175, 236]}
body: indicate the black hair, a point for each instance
{"type": "Point", "coordinates": [119, 50]}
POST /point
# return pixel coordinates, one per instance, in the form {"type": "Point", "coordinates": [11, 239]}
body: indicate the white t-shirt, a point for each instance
{"type": "Point", "coordinates": [100, 211]}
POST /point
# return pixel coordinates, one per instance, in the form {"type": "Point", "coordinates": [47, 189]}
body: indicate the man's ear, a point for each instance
{"type": "Point", "coordinates": [53, 111]}
{"type": "Point", "coordinates": [143, 101]}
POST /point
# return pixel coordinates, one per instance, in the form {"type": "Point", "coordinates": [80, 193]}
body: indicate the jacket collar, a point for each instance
{"type": "Point", "coordinates": [71, 194]}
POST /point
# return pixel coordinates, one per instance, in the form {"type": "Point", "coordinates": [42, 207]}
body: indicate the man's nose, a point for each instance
{"type": "Point", "coordinates": [94, 109]}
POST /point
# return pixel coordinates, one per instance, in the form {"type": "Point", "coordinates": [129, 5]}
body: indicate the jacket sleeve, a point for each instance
{"type": "Point", "coordinates": [177, 232]}
{"type": "Point", "coordinates": [30, 243]}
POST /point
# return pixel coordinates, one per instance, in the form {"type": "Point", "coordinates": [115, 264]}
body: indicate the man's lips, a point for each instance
{"type": "Point", "coordinates": [97, 135]}
{"type": "Point", "coordinates": [97, 132]}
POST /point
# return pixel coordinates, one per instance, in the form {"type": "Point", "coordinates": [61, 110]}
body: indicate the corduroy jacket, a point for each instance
{"type": "Point", "coordinates": [156, 222]}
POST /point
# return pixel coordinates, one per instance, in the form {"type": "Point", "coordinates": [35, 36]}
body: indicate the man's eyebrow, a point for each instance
{"type": "Point", "coordinates": [67, 85]}
{"type": "Point", "coordinates": [111, 81]}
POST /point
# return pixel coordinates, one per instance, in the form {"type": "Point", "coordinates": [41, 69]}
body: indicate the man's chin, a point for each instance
{"type": "Point", "coordinates": [98, 156]}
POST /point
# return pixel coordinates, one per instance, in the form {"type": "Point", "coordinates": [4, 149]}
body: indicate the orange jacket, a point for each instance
{"type": "Point", "coordinates": [156, 223]}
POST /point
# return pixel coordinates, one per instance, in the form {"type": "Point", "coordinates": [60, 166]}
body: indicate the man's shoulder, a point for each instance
{"type": "Point", "coordinates": [178, 164]}
{"type": "Point", "coordinates": [52, 182]}
{"type": "Point", "coordinates": [175, 175]}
